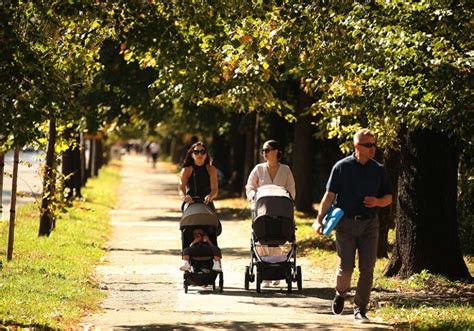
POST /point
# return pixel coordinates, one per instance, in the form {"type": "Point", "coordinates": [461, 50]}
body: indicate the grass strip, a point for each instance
{"type": "Point", "coordinates": [49, 283]}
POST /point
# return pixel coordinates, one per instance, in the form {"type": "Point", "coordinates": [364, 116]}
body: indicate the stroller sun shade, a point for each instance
{"type": "Point", "coordinates": [200, 214]}
{"type": "Point", "coordinates": [275, 201]}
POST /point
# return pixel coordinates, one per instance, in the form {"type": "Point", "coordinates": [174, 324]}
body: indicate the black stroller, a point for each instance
{"type": "Point", "coordinates": [199, 215]}
{"type": "Point", "coordinates": [273, 225]}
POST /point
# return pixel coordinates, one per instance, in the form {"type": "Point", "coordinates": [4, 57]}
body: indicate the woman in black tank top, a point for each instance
{"type": "Point", "coordinates": [198, 177]}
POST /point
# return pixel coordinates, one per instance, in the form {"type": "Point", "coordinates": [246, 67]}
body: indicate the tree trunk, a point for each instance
{"type": "Point", "coordinates": [303, 155]}
{"type": "Point", "coordinates": [279, 129]}
{"type": "Point", "coordinates": [82, 157]}
{"type": "Point", "coordinates": [47, 221]}
{"type": "Point", "coordinates": [249, 162]}
{"type": "Point", "coordinates": [466, 202]}
{"type": "Point", "coordinates": [256, 140]}
{"type": "Point", "coordinates": [427, 229]}
{"type": "Point", "coordinates": [237, 155]}
{"type": "Point", "coordinates": [11, 224]}
{"type": "Point", "coordinates": [71, 169]}
{"type": "Point", "coordinates": [221, 155]}
{"type": "Point", "coordinates": [177, 150]}
{"type": "Point", "coordinates": [2, 170]}
{"type": "Point", "coordinates": [77, 168]}
{"type": "Point", "coordinates": [92, 157]}
{"type": "Point", "coordinates": [326, 154]}
{"type": "Point", "coordinates": [387, 214]}
{"type": "Point", "coordinates": [99, 155]}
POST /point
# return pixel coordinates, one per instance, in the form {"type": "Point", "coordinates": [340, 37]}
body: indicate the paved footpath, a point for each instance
{"type": "Point", "coordinates": [144, 285]}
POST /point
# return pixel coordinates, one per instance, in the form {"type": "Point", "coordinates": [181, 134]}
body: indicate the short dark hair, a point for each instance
{"type": "Point", "coordinates": [274, 145]}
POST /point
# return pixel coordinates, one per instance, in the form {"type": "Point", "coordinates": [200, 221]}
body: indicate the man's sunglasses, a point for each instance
{"type": "Point", "coordinates": [368, 145]}
{"type": "Point", "coordinates": [199, 151]}
{"type": "Point", "coordinates": [267, 150]}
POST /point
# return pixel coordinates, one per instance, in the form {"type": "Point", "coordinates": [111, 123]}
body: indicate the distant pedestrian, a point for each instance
{"type": "Point", "coordinates": [359, 186]}
{"type": "Point", "coordinates": [154, 151]}
{"type": "Point", "coordinates": [147, 151]}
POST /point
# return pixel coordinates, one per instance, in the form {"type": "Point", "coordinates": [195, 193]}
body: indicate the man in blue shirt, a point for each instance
{"type": "Point", "coordinates": [359, 186]}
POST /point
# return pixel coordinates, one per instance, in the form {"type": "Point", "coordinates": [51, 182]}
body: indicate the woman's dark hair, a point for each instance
{"type": "Point", "coordinates": [274, 145]}
{"type": "Point", "coordinates": [189, 161]}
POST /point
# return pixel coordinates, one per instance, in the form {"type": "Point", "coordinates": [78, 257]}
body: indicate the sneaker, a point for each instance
{"type": "Point", "coordinates": [276, 282]}
{"type": "Point", "coordinates": [186, 266]}
{"type": "Point", "coordinates": [266, 283]}
{"type": "Point", "coordinates": [216, 266]}
{"type": "Point", "coordinates": [337, 305]}
{"type": "Point", "coordinates": [360, 317]}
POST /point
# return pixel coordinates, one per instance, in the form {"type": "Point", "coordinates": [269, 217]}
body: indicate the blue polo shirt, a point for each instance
{"type": "Point", "coordinates": [352, 181]}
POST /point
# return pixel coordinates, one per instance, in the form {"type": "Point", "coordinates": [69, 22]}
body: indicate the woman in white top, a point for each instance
{"type": "Point", "coordinates": [268, 173]}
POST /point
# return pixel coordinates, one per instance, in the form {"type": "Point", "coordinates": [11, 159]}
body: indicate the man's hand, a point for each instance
{"type": "Point", "coordinates": [371, 202]}
{"type": "Point", "coordinates": [318, 227]}
{"type": "Point", "coordinates": [207, 199]}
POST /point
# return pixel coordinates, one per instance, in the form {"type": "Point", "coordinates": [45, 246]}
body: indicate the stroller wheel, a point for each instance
{"type": "Point", "coordinates": [247, 278]}
{"type": "Point", "coordinates": [221, 282]}
{"type": "Point", "coordinates": [288, 283]}
{"type": "Point", "coordinates": [259, 281]}
{"type": "Point", "coordinates": [299, 278]}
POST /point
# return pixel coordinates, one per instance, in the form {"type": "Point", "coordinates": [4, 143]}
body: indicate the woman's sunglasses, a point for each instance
{"type": "Point", "coordinates": [267, 150]}
{"type": "Point", "coordinates": [199, 151]}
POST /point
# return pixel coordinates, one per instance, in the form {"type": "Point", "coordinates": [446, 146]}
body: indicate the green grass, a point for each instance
{"type": "Point", "coordinates": [407, 314]}
{"type": "Point", "coordinates": [424, 301]}
{"type": "Point", "coordinates": [49, 281]}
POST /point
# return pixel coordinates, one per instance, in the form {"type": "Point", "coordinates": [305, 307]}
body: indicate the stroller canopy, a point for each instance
{"type": "Point", "coordinates": [199, 214]}
{"type": "Point", "coordinates": [274, 201]}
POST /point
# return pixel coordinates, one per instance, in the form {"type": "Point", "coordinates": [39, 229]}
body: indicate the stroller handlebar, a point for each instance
{"type": "Point", "coordinates": [198, 199]}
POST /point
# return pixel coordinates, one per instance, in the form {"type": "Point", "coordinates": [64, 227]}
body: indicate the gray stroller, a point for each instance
{"type": "Point", "coordinates": [273, 225]}
{"type": "Point", "coordinates": [199, 215]}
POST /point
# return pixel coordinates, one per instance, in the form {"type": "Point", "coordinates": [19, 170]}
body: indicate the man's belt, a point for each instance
{"type": "Point", "coordinates": [360, 217]}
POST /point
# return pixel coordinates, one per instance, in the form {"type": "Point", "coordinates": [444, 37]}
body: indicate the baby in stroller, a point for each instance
{"type": "Point", "coordinates": [199, 247]}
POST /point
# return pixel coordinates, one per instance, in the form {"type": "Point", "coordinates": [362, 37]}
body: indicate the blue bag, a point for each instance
{"type": "Point", "coordinates": [331, 219]}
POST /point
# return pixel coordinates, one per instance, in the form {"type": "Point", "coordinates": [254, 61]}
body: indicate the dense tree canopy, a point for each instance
{"type": "Point", "coordinates": [191, 66]}
{"type": "Point", "coordinates": [49, 53]}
